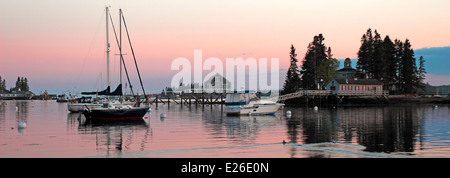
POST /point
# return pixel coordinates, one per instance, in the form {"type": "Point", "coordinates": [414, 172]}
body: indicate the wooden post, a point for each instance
{"type": "Point", "coordinates": [203, 99]}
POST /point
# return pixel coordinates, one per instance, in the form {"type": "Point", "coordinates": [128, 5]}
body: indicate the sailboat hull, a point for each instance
{"type": "Point", "coordinates": [108, 114]}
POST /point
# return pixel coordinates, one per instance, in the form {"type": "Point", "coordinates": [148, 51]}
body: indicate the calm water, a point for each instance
{"type": "Point", "coordinates": [412, 131]}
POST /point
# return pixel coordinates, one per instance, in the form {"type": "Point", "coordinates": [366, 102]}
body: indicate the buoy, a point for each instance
{"type": "Point", "coordinates": [249, 114]}
{"type": "Point", "coordinates": [17, 108]}
{"type": "Point", "coordinates": [316, 108]}
{"type": "Point", "coordinates": [162, 115]}
{"type": "Point", "coordinates": [288, 114]}
{"type": "Point", "coordinates": [284, 142]}
{"type": "Point", "coordinates": [22, 125]}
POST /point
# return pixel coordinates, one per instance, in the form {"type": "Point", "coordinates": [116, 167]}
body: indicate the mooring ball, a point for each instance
{"type": "Point", "coordinates": [288, 112]}
{"type": "Point", "coordinates": [163, 115]}
{"type": "Point", "coordinates": [22, 125]}
{"type": "Point", "coordinates": [316, 108]}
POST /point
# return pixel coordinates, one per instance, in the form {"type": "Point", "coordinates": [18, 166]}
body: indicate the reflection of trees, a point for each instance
{"type": "Point", "coordinates": [393, 129]}
{"type": "Point", "coordinates": [380, 129]}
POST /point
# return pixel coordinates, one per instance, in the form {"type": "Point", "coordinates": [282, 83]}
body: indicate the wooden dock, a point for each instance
{"type": "Point", "coordinates": [187, 98]}
{"type": "Point", "coordinates": [219, 98]}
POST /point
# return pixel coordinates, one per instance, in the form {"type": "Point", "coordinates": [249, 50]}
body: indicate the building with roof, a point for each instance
{"type": "Point", "coordinates": [349, 81]}
{"type": "Point", "coordinates": [348, 71]}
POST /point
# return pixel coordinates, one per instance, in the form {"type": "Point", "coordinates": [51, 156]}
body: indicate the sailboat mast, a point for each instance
{"type": "Point", "coordinates": [120, 43]}
{"type": "Point", "coordinates": [107, 49]}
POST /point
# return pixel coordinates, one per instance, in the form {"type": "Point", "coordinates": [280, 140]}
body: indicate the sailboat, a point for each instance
{"type": "Point", "coordinates": [110, 111]}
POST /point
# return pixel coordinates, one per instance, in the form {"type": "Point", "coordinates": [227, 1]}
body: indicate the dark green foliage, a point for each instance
{"type": "Point", "coordinates": [315, 55]}
{"type": "Point", "coordinates": [21, 84]}
{"type": "Point", "coordinates": [393, 64]}
{"type": "Point", "coordinates": [292, 82]}
{"type": "Point", "coordinates": [2, 85]}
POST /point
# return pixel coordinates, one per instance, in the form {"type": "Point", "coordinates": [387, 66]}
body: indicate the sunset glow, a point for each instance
{"type": "Point", "coordinates": [60, 46]}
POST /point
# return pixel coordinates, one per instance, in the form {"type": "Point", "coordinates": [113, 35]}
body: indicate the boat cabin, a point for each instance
{"type": "Point", "coordinates": [240, 98]}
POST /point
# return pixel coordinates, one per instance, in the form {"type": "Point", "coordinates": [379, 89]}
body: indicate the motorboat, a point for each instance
{"type": "Point", "coordinates": [79, 104]}
{"type": "Point", "coordinates": [249, 104]}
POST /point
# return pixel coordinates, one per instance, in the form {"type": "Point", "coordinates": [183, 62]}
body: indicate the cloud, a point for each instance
{"type": "Point", "coordinates": [437, 80]}
{"type": "Point", "coordinates": [437, 59]}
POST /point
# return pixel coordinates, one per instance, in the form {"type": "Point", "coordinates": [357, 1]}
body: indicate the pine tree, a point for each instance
{"type": "Point", "coordinates": [408, 73]}
{"type": "Point", "coordinates": [315, 54]}
{"type": "Point", "coordinates": [390, 67]}
{"type": "Point", "coordinates": [18, 84]}
{"type": "Point", "coordinates": [25, 86]}
{"type": "Point", "coordinates": [365, 53]}
{"type": "Point", "coordinates": [421, 73]}
{"type": "Point", "coordinates": [292, 82]}
{"type": "Point", "coordinates": [2, 85]}
{"type": "Point", "coordinates": [327, 68]}
{"type": "Point", "coordinates": [398, 57]}
{"type": "Point", "coordinates": [378, 60]}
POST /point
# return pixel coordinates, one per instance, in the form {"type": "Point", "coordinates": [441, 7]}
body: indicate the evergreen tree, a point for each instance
{"type": "Point", "coordinates": [292, 82]}
{"type": "Point", "coordinates": [391, 63]}
{"type": "Point", "coordinates": [2, 85]}
{"type": "Point", "coordinates": [370, 55]}
{"type": "Point", "coordinates": [18, 84]}
{"type": "Point", "coordinates": [378, 60]}
{"type": "Point", "coordinates": [390, 67]}
{"type": "Point", "coordinates": [421, 73]}
{"type": "Point", "coordinates": [315, 54]}
{"type": "Point", "coordinates": [408, 74]}
{"type": "Point", "coordinates": [398, 57]}
{"type": "Point", "coordinates": [25, 86]}
{"type": "Point", "coordinates": [365, 53]}
{"type": "Point", "coordinates": [327, 68]}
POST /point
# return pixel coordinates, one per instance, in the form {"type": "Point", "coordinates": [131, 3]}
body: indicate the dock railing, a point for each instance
{"type": "Point", "coordinates": [377, 93]}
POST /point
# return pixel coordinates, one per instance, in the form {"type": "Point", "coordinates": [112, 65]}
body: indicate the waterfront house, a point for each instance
{"type": "Point", "coordinates": [216, 83]}
{"type": "Point", "coordinates": [351, 82]}
{"type": "Point", "coordinates": [348, 71]}
{"type": "Point", "coordinates": [355, 86]}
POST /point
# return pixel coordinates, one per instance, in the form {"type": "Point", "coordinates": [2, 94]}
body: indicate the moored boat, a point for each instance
{"type": "Point", "coordinates": [118, 111]}
{"type": "Point", "coordinates": [250, 104]}
{"type": "Point", "coordinates": [111, 112]}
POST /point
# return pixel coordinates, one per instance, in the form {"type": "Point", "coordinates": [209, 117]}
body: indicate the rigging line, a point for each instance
{"type": "Point", "coordinates": [135, 62]}
{"type": "Point", "coordinates": [121, 56]}
{"type": "Point", "coordinates": [89, 50]}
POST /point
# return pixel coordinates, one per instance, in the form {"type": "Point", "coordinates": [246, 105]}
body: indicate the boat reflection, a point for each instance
{"type": "Point", "coordinates": [111, 138]}
{"type": "Point", "coordinates": [242, 129]}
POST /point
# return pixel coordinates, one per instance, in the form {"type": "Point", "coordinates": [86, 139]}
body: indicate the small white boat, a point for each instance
{"type": "Point", "coordinates": [79, 104]}
{"type": "Point", "coordinates": [249, 104]}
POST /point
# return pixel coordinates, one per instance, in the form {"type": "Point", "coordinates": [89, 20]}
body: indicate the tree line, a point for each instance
{"type": "Point", "coordinates": [21, 85]}
{"type": "Point", "coordinates": [392, 63]}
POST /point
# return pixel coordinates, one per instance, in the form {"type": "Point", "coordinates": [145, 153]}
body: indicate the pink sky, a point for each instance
{"type": "Point", "coordinates": [60, 45]}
